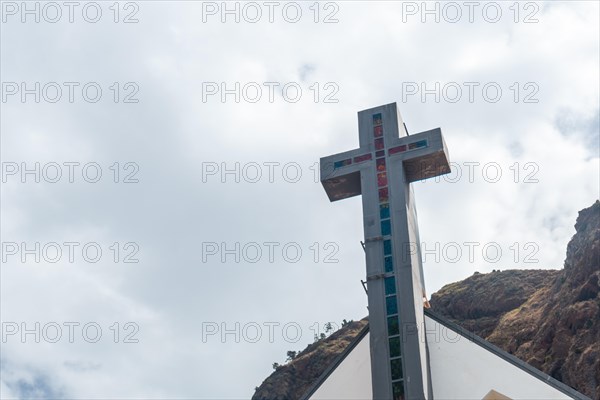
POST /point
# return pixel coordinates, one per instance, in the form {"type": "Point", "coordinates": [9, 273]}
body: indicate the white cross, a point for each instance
{"type": "Point", "coordinates": [381, 169]}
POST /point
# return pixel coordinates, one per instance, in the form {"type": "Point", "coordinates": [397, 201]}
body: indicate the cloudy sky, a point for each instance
{"type": "Point", "coordinates": [164, 231]}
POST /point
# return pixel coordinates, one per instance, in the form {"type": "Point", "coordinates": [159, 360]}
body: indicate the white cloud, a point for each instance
{"type": "Point", "coordinates": [171, 294]}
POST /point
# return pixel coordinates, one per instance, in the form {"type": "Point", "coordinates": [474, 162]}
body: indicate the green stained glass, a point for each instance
{"type": "Point", "coordinates": [377, 120]}
{"type": "Point", "coordinates": [393, 326]}
{"type": "Point", "coordinates": [391, 305]}
{"type": "Point", "coordinates": [398, 390]}
{"type": "Point", "coordinates": [396, 366]}
{"type": "Point", "coordinates": [395, 346]}
{"type": "Point", "coordinates": [390, 285]}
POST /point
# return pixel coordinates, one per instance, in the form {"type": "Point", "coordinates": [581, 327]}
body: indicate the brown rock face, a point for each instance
{"type": "Point", "coordinates": [479, 302]}
{"type": "Point", "coordinates": [548, 318]}
{"type": "Point", "coordinates": [558, 328]}
{"type": "Point", "coordinates": [293, 379]}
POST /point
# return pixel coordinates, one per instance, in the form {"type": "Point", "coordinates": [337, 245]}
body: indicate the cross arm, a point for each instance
{"type": "Point", "coordinates": [424, 155]}
{"type": "Point", "coordinates": [340, 173]}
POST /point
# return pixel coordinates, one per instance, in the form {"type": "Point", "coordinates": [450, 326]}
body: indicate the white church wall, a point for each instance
{"type": "Point", "coordinates": [462, 369]}
{"type": "Point", "coordinates": [459, 367]}
{"type": "Point", "coordinates": [351, 379]}
{"type": "Point", "coordinates": [418, 288]}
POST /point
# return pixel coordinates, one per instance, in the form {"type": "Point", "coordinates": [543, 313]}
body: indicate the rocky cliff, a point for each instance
{"type": "Point", "coordinates": [548, 318]}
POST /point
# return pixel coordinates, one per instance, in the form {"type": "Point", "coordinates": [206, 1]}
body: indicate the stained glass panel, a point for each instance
{"type": "Point", "coordinates": [383, 195]}
{"type": "Point", "coordinates": [362, 158]}
{"type": "Point", "coordinates": [381, 179]}
{"type": "Point", "coordinates": [342, 163]}
{"type": "Point", "coordinates": [391, 306]}
{"type": "Point", "coordinates": [384, 211]}
{"type": "Point", "coordinates": [397, 149]}
{"type": "Point", "coordinates": [393, 326]}
{"type": "Point", "coordinates": [398, 390]}
{"type": "Point", "coordinates": [396, 366]}
{"type": "Point", "coordinates": [386, 227]}
{"type": "Point", "coordinates": [417, 145]}
{"type": "Point", "coordinates": [388, 264]}
{"type": "Point", "coordinates": [395, 346]}
{"type": "Point", "coordinates": [390, 285]}
{"type": "Point", "coordinates": [387, 247]}
{"type": "Point", "coordinates": [377, 120]}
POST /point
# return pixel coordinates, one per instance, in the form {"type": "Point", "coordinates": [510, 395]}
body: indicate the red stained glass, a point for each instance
{"type": "Point", "coordinates": [362, 158]}
{"type": "Point", "coordinates": [378, 131]}
{"type": "Point", "coordinates": [397, 149]}
{"type": "Point", "coordinates": [382, 179]}
{"type": "Point", "coordinates": [383, 195]}
{"type": "Point", "coordinates": [379, 144]}
{"type": "Point", "coordinates": [381, 164]}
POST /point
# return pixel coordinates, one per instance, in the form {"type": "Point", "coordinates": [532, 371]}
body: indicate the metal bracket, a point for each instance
{"type": "Point", "coordinates": [374, 239]}
{"type": "Point", "coordinates": [374, 277]}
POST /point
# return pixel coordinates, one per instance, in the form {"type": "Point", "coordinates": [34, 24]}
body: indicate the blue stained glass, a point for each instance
{"type": "Point", "coordinates": [391, 306]}
{"type": "Point", "coordinates": [342, 163]}
{"type": "Point", "coordinates": [387, 247]}
{"type": "Point", "coordinates": [389, 264]}
{"type": "Point", "coordinates": [386, 227]}
{"type": "Point", "coordinates": [384, 211]}
{"type": "Point", "coordinates": [390, 285]}
{"type": "Point", "coordinates": [417, 145]}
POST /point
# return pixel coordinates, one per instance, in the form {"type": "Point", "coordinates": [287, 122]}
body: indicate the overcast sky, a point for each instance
{"type": "Point", "coordinates": [207, 132]}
